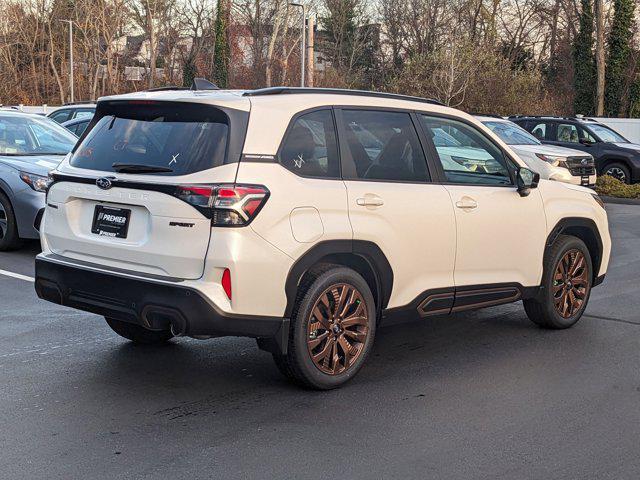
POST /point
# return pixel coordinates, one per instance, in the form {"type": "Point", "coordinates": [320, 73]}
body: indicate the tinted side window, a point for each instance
{"type": "Point", "coordinates": [81, 127]}
{"type": "Point", "coordinates": [78, 128]}
{"type": "Point", "coordinates": [311, 149]}
{"type": "Point", "coordinates": [538, 130]}
{"type": "Point", "coordinates": [383, 146]}
{"type": "Point", "coordinates": [567, 133]}
{"type": "Point", "coordinates": [83, 113]}
{"type": "Point", "coordinates": [466, 155]}
{"type": "Point", "coordinates": [61, 116]}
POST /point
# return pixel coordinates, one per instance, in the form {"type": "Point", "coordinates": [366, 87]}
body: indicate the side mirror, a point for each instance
{"type": "Point", "coordinates": [526, 180]}
{"type": "Point", "coordinates": [586, 142]}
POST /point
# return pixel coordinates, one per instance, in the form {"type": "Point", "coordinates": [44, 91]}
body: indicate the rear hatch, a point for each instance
{"type": "Point", "coordinates": [124, 199]}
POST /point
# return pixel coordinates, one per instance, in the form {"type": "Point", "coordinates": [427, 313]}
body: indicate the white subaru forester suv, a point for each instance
{"type": "Point", "coordinates": [301, 218]}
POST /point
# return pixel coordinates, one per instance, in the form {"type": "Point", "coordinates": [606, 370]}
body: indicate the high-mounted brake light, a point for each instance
{"type": "Point", "coordinates": [142, 102]}
{"type": "Point", "coordinates": [226, 205]}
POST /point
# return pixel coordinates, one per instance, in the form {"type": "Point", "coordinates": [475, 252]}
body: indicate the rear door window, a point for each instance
{"type": "Point", "coordinates": [383, 145]}
{"type": "Point", "coordinates": [182, 139]}
{"type": "Point", "coordinates": [567, 133]}
{"type": "Point", "coordinates": [538, 130]}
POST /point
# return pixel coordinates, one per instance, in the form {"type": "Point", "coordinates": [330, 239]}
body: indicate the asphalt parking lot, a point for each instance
{"type": "Point", "coordinates": [478, 395]}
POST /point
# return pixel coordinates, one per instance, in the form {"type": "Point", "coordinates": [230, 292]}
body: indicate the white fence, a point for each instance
{"type": "Point", "coordinates": [627, 127]}
{"type": "Point", "coordinates": [46, 109]}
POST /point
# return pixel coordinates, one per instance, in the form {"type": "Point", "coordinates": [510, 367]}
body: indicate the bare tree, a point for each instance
{"type": "Point", "coordinates": [151, 16]}
{"type": "Point", "coordinates": [453, 70]}
{"type": "Point", "coordinates": [196, 21]}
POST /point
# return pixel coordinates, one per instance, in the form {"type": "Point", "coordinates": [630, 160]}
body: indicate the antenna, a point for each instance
{"type": "Point", "coordinates": [203, 84]}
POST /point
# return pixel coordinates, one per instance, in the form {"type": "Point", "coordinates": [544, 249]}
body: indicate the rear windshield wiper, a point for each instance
{"type": "Point", "coordinates": [136, 168]}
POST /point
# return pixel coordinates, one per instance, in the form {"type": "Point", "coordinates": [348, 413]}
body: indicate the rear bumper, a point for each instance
{"type": "Point", "coordinates": [151, 304]}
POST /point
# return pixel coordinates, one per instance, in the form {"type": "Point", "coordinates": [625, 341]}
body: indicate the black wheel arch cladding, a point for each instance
{"type": "Point", "coordinates": [586, 230]}
{"type": "Point", "coordinates": [364, 255]}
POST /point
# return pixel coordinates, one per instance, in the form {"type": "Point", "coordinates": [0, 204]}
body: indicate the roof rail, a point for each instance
{"type": "Point", "coordinates": [83, 102]}
{"type": "Point", "coordinates": [336, 91]}
{"type": "Point", "coordinates": [533, 116]}
{"type": "Point", "coordinates": [558, 117]}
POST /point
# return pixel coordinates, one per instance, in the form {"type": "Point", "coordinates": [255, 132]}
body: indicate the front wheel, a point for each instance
{"type": "Point", "coordinates": [138, 334]}
{"type": "Point", "coordinates": [566, 285]}
{"type": "Point", "coordinates": [332, 329]}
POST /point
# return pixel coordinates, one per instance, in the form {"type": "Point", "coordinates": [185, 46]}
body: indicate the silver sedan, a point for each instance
{"type": "Point", "coordinates": [30, 146]}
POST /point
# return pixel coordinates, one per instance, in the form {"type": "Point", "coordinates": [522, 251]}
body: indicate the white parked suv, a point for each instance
{"type": "Point", "coordinates": [302, 217]}
{"type": "Point", "coordinates": [551, 162]}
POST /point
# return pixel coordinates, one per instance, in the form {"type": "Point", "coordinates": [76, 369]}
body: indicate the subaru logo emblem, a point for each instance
{"type": "Point", "coordinates": [104, 183]}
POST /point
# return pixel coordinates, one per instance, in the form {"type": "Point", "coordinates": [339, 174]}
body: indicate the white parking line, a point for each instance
{"type": "Point", "coordinates": [17, 275]}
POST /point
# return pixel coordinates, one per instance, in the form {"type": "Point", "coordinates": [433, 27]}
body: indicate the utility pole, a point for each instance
{"type": "Point", "coordinates": [70, 22]}
{"type": "Point", "coordinates": [303, 44]}
{"type": "Point", "coordinates": [310, 53]}
{"type": "Point", "coordinates": [600, 58]}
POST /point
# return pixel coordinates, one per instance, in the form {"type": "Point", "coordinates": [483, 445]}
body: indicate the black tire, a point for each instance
{"type": "Point", "coordinates": [619, 171]}
{"type": "Point", "coordinates": [298, 365]}
{"type": "Point", "coordinates": [545, 309]}
{"type": "Point", "coordinates": [9, 239]}
{"type": "Point", "coordinates": [138, 334]}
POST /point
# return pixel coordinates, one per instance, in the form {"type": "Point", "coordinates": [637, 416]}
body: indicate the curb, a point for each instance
{"type": "Point", "coordinates": [621, 201]}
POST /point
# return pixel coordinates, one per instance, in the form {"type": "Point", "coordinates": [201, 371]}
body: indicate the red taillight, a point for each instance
{"type": "Point", "coordinates": [226, 282]}
{"type": "Point", "coordinates": [226, 205]}
{"type": "Point", "coordinates": [196, 196]}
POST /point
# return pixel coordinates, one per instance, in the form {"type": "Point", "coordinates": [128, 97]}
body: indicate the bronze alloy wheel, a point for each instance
{"type": "Point", "coordinates": [570, 283]}
{"type": "Point", "coordinates": [337, 329]}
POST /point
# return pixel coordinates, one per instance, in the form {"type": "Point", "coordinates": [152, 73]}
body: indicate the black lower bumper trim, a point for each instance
{"type": "Point", "coordinates": [38, 219]}
{"type": "Point", "coordinates": [151, 304]}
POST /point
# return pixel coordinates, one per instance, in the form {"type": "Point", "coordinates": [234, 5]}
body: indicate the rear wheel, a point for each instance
{"type": "Point", "coordinates": [332, 329]}
{"type": "Point", "coordinates": [9, 239]}
{"type": "Point", "coordinates": [138, 334]}
{"type": "Point", "coordinates": [566, 285]}
{"type": "Point", "coordinates": [619, 171]}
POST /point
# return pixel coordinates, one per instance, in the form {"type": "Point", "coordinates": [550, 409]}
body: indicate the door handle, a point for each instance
{"type": "Point", "coordinates": [467, 203]}
{"type": "Point", "coordinates": [370, 201]}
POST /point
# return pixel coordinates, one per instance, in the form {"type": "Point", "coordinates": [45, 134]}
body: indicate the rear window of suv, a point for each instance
{"type": "Point", "coordinates": [179, 138]}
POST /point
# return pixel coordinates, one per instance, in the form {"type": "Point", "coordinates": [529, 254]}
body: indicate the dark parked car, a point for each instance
{"type": "Point", "coordinates": [72, 112]}
{"type": "Point", "coordinates": [614, 154]}
{"type": "Point", "coordinates": [78, 125]}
